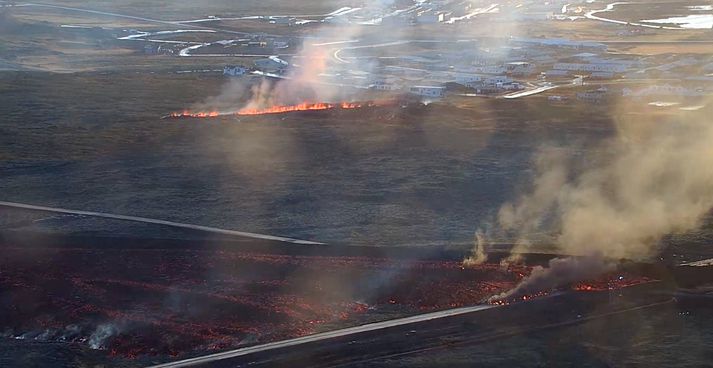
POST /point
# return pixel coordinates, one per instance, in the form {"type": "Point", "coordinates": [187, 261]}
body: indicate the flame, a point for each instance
{"type": "Point", "coordinates": [289, 108]}
{"type": "Point", "coordinates": [277, 109]}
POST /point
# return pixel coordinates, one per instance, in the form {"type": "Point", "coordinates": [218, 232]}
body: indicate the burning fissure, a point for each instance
{"type": "Point", "coordinates": [277, 109]}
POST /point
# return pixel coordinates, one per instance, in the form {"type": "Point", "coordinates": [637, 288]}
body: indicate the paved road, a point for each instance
{"type": "Point", "coordinates": [437, 331]}
{"type": "Point", "coordinates": [324, 336]}
{"type": "Point", "coordinates": [157, 222]}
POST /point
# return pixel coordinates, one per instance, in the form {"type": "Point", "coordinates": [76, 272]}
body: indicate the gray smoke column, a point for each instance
{"type": "Point", "coordinates": [653, 178]}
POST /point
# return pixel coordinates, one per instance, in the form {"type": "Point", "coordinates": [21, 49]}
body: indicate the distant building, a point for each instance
{"type": "Point", "coordinates": [234, 70]}
{"type": "Point", "coordinates": [427, 91]}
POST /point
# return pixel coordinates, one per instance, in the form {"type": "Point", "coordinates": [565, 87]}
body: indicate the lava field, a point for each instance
{"type": "Point", "coordinates": [135, 302]}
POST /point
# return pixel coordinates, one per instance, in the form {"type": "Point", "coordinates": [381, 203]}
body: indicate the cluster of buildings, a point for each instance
{"type": "Point", "coordinates": [492, 68]}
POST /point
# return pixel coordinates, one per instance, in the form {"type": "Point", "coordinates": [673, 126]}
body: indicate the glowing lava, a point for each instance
{"type": "Point", "coordinates": [277, 109]}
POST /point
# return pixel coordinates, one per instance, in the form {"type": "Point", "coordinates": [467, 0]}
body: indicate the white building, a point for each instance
{"type": "Point", "coordinates": [427, 91]}
{"type": "Point", "coordinates": [234, 70]}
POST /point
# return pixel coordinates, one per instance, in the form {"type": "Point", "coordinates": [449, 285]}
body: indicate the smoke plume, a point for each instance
{"type": "Point", "coordinates": [652, 178]}
{"type": "Point", "coordinates": [479, 255]}
{"type": "Point", "coordinates": [559, 272]}
{"type": "Point", "coordinates": [102, 333]}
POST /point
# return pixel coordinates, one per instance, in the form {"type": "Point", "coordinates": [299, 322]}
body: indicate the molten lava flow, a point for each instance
{"type": "Point", "coordinates": [604, 283]}
{"type": "Point", "coordinates": [283, 109]}
{"type": "Point", "coordinates": [612, 282]}
{"type": "Point", "coordinates": [277, 109]}
{"type": "Point", "coordinates": [523, 298]}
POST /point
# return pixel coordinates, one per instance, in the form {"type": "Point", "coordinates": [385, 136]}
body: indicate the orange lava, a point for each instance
{"type": "Point", "coordinates": [289, 108]}
{"type": "Point", "coordinates": [277, 109]}
{"type": "Point", "coordinates": [611, 282]}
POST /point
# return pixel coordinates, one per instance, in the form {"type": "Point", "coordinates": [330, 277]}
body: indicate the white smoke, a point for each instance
{"type": "Point", "coordinates": [101, 334]}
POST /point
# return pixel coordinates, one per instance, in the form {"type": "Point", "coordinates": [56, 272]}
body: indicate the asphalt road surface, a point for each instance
{"type": "Point", "coordinates": [157, 222]}
{"type": "Point", "coordinates": [325, 336]}
{"type": "Point", "coordinates": [448, 329]}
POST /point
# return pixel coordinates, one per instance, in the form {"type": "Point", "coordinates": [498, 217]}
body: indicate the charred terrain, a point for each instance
{"type": "Point", "coordinates": [143, 300]}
